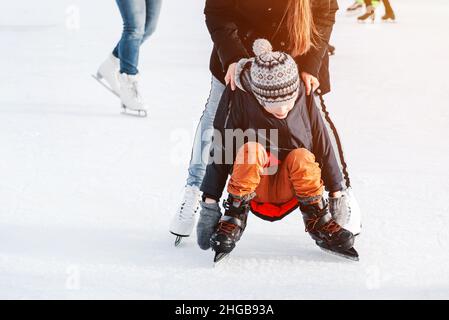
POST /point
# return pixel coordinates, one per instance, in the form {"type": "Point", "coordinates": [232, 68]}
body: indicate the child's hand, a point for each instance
{"type": "Point", "coordinates": [210, 215]}
{"type": "Point", "coordinates": [230, 76]}
{"type": "Point", "coordinates": [310, 82]}
{"type": "Point", "coordinates": [339, 208]}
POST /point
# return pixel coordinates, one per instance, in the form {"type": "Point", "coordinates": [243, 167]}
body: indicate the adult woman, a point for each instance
{"type": "Point", "coordinates": [120, 68]}
{"type": "Point", "coordinates": [300, 27]}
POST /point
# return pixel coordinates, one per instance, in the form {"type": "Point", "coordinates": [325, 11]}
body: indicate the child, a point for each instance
{"type": "Point", "coordinates": [271, 177]}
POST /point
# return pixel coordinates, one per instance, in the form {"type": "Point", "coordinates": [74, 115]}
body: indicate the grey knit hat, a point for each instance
{"type": "Point", "coordinates": [274, 77]}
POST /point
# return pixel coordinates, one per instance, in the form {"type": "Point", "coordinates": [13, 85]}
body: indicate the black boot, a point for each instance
{"type": "Point", "coordinates": [389, 16]}
{"type": "Point", "coordinates": [389, 13]}
{"type": "Point", "coordinates": [323, 228]}
{"type": "Point", "coordinates": [231, 225]}
{"type": "Point", "coordinates": [369, 14]}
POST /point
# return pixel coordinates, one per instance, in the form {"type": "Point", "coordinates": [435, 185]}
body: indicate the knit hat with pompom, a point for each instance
{"type": "Point", "coordinates": [274, 75]}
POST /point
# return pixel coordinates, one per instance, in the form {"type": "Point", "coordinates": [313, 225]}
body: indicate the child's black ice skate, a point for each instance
{"type": "Point", "coordinates": [231, 226]}
{"type": "Point", "coordinates": [328, 235]}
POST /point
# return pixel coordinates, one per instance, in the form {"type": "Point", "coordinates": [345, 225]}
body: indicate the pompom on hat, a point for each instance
{"type": "Point", "coordinates": [262, 46]}
{"type": "Point", "coordinates": [274, 77]}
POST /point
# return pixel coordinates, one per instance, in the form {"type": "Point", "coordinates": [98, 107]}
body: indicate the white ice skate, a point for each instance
{"type": "Point", "coordinates": [354, 8]}
{"type": "Point", "coordinates": [130, 94]}
{"type": "Point", "coordinates": [184, 220]}
{"type": "Point", "coordinates": [108, 74]}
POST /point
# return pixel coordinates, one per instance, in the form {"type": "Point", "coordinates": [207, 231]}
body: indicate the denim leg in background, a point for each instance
{"type": "Point", "coordinates": [153, 11]}
{"type": "Point", "coordinates": [139, 22]}
{"type": "Point", "coordinates": [203, 135]}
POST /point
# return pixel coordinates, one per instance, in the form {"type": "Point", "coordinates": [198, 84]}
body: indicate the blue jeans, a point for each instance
{"type": "Point", "coordinates": [203, 135]}
{"type": "Point", "coordinates": [139, 22]}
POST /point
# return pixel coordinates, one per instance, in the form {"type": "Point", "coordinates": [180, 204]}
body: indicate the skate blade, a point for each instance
{"type": "Point", "coordinates": [105, 85]}
{"type": "Point", "coordinates": [178, 241]}
{"type": "Point", "coordinates": [134, 113]}
{"type": "Point", "coordinates": [220, 257]}
{"type": "Point", "coordinates": [366, 21]}
{"type": "Point", "coordinates": [350, 254]}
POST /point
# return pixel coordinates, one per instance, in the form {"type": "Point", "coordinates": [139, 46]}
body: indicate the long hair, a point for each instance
{"type": "Point", "coordinates": [301, 28]}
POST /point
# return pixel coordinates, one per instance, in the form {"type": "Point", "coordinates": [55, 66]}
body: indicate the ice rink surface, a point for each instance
{"type": "Point", "coordinates": [86, 194]}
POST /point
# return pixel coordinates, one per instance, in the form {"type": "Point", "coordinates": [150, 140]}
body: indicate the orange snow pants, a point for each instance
{"type": "Point", "coordinates": [299, 175]}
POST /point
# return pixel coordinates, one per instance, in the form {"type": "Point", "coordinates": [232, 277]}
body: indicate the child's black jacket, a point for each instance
{"type": "Point", "coordinates": [303, 128]}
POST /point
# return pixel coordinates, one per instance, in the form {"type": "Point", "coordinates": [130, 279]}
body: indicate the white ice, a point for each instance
{"type": "Point", "coordinates": [86, 194]}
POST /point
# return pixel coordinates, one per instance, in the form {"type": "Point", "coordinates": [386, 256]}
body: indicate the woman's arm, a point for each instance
{"type": "Point", "coordinates": [222, 26]}
{"type": "Point", "coordinates": [324, 151]}
{"type": "Point", "coordinates": [324, 18]}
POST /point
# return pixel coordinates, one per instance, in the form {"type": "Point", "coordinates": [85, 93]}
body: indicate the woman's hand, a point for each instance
{"type": "Point", "coordinates": [310, 81]}
{"type": "Point", "coordinates": [230, 75]}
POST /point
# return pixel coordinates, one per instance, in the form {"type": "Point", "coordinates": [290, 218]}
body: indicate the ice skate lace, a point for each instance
{"type": "Point", "coordinates": [189, 205]}
{"type": "Point", "coordinates": [135, 90]}
{"type": "Point", "coordinates": [330, 227]}
{"type": "Point", "coordinates": [227, 227]}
